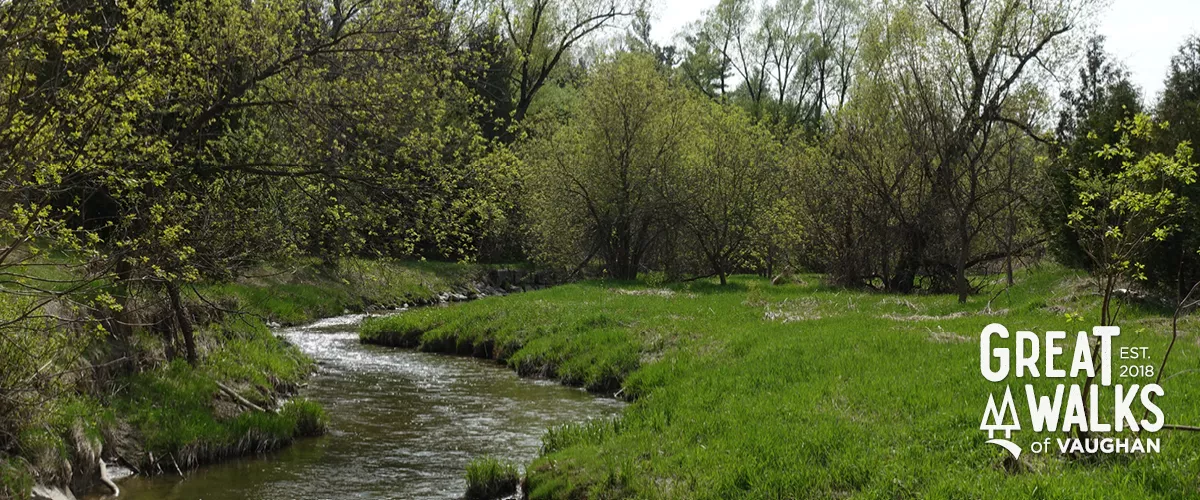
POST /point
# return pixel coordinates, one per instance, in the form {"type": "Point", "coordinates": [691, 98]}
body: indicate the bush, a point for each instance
{"type": "Point", "coordinates": [489, 477]}
{"type": "Point", "coordinates": [655, 279]}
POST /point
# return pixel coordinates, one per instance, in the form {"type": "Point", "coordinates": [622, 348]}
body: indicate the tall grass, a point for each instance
{"type": "Point", "coordinates": [489, 478]}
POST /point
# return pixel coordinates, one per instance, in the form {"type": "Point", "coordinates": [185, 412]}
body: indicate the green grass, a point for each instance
{"type": "Point", "coordinates": [801, 390]}
{"type": "Point", "coordinates": [15, 479]}
{"type": "Point", "coordinates": [172, 408]}
{"type": "Point", "coordinates": [489, 478]}
{"type": "Point", "coordinates": [249, 353]}
{"type": "Point", "coordinates": [307, 291]}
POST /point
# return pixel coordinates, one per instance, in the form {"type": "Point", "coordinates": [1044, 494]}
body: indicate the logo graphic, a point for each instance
{"type": "Point", "coordinates": [1081, 380]}
{"type": "Point", "coordinates": [998, 425]}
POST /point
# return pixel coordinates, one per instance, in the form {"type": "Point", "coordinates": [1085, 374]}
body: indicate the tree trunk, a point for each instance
{"type": "Point", "coordinates": [185, 324]}
{"type": "Point", "coordinates": [770, 260]}
{"type": "Point", "coordinates": [960, 265]}
{"type": "Point", "coordinates": [164, 326]}
{"type": "Point", "coordinates": [1105, 320]}
{"type": "Point", "coordinates": [1008, 242]}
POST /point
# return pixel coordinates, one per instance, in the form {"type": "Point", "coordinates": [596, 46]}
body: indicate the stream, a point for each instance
{"type": "Point", "coordinates": [402, 424]}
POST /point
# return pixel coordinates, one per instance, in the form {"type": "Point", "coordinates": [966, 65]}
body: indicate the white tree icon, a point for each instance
{"type": "Point", "coordinates": [997, 422]}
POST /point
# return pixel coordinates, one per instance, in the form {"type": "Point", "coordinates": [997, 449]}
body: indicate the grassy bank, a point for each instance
{"type": "Point", "coordinates": [306, 291]}
{"type": "Point", "coordinates": [800, 390]}
{"type": "Point", "coordinates": [158, 416]}
{"type": "Point", "coordinates": [489, 478]}
{"type": "Point", "coordinates": [178, 416]}
{"type": "Point", "coordinates": [161, 415]}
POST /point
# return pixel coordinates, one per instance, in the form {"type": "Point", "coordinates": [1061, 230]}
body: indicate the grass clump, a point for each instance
{"type": "Point", "coordinates": [591, 432]}
{"type": "Point", "coordinates": [307, 418]}
{"type": "Point", "coordinates": [489, 478]}
{"type": "Point", "coordinates": [16, 481]}
{"type": "Point", "coordinates": [802, 390]}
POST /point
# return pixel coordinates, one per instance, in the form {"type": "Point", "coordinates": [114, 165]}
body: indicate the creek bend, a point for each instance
{"type": "Point", "coordinates": [402, 424]}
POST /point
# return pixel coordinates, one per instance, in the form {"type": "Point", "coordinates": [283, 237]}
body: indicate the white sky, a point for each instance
{"type": "Point", "coordinates": [1143, 34]}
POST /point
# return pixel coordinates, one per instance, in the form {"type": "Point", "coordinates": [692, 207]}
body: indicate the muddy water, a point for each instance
{"type": "Point", "coordinates": [403, 424]}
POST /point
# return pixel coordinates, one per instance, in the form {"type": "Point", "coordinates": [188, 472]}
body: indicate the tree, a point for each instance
{"type": "Point", "coordinates": [703, 65]}
{"type": "Point", "coordinates": [148, 145]}
{"type": "Point", "coordinates": [320, 107]}
{"type": "Point", "coordinates": [1101, 96]}
{"type": "Point", "coordinates": [542, 33]}
{"type": "Point", "coordinates": [203, 136]}
{"type": "Point", "coordinates": [887, 209]}
{"type": "Point", "coordinates": [964, 68]}
{"type": "Point", "coordinates": [791, 61]}
{"type": "Point", "coordinates": [57, 120]}
{"type": "Point", "coordinates": [595, 186]}
{"type": "Point", "coordinates": [863, 189]}
{"type": "Point", "coordinates": [811, 58]}
{"type": "Point", "coordinates": [1174, 264]}
{"type": "Point", "coordinates": [1119, 215]}
{"type": "Point", "coordinates": [638, 40]}
{"type": "Point", "coordinates": [722, 190]}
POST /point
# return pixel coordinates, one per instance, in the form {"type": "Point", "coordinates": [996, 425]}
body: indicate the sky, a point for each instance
{"type": "Point", "coordinates": [1143, 34]}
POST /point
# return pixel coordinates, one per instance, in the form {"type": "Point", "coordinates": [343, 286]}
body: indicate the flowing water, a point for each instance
{"type": "Point", "coordinates": [403, 424]}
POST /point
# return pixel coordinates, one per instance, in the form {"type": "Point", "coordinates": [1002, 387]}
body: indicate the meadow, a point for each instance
{"type": "Point", "coordinates": [802, 390]}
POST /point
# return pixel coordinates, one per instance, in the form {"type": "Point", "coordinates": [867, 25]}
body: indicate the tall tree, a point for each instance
{"type": "Point", "coordinates": [1175, 264]}
{"type": "Point", "coordinates": [968, 66]}
{"type": "Point", "coordinates": [789, 62]}
{"type": "Point", "coordinates": [1101, 96]}
{"type": "Point", "coordinates": [543, 32]}
{"type": "Point", "coordinates": [594, 187]}
{"type": "Point", "coordinates": [638, 39]}
{"type": "Point", "coordinates": [722, 189]}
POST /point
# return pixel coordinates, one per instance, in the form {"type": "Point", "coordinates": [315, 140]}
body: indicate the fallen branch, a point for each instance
{"type": "Point", "coordinates": [104, 478]}
{"type": "Point", "coordinates": [238, 397]}
{"type": "Point", "coordinates": [1191, 428]}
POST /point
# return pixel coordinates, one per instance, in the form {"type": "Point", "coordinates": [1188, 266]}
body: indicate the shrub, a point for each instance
{"type": "Point", "coordinates": [655, 279]}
